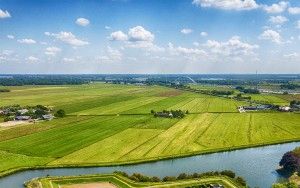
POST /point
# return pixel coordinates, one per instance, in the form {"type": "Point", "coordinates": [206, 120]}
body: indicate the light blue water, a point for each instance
{"type": "Point", "coordinates": [256, 165]}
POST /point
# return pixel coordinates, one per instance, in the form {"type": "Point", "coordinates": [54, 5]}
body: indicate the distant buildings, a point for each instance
{"type": "Point", "coordinates": [285, 108]}
{"type": "Point", "coordinates": [22, 118]}
{"type": "Point", "coordinates": [254, 108]}
{"type": "Point", "coordinates": [48, 117]}
{"type": "Point", "coordinates": [23, 111]}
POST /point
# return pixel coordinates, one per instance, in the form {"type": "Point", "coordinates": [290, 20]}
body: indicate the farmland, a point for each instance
{"type": "Point", "coordinates": [111, 124]}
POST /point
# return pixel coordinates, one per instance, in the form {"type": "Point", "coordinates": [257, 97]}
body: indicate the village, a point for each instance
{"type": "Point", "coordinates": [16, 114]}
{"type": "Point", "coordinates": [293, 107]}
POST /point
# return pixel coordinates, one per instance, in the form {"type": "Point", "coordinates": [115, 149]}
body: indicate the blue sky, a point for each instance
{"type": "Point", "coordinates": [143, 36]}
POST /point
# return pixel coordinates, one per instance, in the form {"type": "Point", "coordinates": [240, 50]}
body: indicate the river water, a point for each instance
{"type": "Point", "coordinates": [256, 165]}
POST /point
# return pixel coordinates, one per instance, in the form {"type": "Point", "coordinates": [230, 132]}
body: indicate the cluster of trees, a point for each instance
{"type": "Point", "coordinates": [4, 90]}
{"type": "Point", "coordinates": [289, 86]}
{"type": "Point", "coordinates": [239, 96]}
{"type": "Point", "coordinates": [202, 91]}
{"type": "Point", "coordinates": [290, 161]}
{"type": "Point", "coordinates": [183, 176]}
{"type": "Point", "coordinates": [247, 90]}
{"type": "Point", "coordinates": [170, 114]}
{"type": "Point", "coordinates": [294, 102]}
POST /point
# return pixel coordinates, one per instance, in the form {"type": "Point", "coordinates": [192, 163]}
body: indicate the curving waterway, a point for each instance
{"type": "Point", "coordinates": [256, 165]}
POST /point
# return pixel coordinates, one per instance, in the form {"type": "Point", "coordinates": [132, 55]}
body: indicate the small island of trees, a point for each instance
{"type": "Point", "coordinates": [170, 114]}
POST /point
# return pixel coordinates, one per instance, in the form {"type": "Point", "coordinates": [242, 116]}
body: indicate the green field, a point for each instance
{"type": "Point", "coordinates": [120, 181]}
{"type": "Point", "coordinates": [111, 124]}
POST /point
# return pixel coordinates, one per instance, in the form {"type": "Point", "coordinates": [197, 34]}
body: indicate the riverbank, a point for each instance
{"type": "Point", "coordinates": [121, 181]}
{"type": "Point", "coordinates": [239, 161]}
{"type": "Point", "coordinates": [149, 160]}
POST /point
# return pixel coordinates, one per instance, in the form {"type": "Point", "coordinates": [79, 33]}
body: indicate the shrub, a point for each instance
{"type": "Point", "coordinates": [182, 176]}
{"type": "Point", "coordinates": [241, 181]}
{"type": "Point", "coordinates": [169, 178]}
{"type": "Point", "coordinates": [60, 113]}
{"type": "Point", "coordinates": [155, 179]}
{"type": "Point", "coordinates": [4, 90]}
{"type": "Point", "coordinates": [9, 118]}
{"type": "Point", "coordinates": [228, 173]}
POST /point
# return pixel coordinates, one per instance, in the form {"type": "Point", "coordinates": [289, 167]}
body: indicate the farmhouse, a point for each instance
{"type": "Point", "coordinates": [285, 108]}
{"type": "Point", "coordinates": [164, 114]}
{"type": "Point", "coordinates": [23, 111]}
{"type": "Point", "coordinates": [48, 117]}
{"type": "Point", "coordinates": [22, 118]}
{"type": "Point", "coordinates": [254, 108]}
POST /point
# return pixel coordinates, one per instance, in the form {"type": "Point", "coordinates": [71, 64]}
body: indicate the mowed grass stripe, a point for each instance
{"type": "Point", "coordinates": [160, 105]}
{"type": "Point", "coordinates": [61, 141]}
{"type": "Point", "coordinates": [23, 130]}
{"type": "Point", "coordinates": [120, 107]}
{"type": "Point", "coordinates": [111, 148]}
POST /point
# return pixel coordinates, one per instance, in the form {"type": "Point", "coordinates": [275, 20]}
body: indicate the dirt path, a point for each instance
{"type": "Point", "coordinates": [12, 123]}
{"type": "Point", "coordinates": [90, 185]}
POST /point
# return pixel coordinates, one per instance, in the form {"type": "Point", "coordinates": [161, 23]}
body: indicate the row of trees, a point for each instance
{"type": "Point", "coordinates": [170, 114]}
{"type": "Point", "coordinates": [247, 90]}
{"type": "Point", "coordinates": [289, 86]}
{"type": "Point", "coordinates": [183, 176]}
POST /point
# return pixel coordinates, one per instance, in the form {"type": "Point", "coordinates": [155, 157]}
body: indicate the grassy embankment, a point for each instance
{"type": "Point", "coordinates": [120, 181]}
{"type": "Point", "coordinates": [112, 124]}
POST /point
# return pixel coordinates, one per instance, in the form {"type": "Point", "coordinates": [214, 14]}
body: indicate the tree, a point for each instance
{"type": "Point", "coordinates": [228, 173]}
{"type": "Point", "coordinates": [182, 176]}
{"type": "Point", "coordinates": [241, 181]}
{"type": "Point", "coordinates": [60, 113]}
{"type": "Point", "coordinates": [289, 162]}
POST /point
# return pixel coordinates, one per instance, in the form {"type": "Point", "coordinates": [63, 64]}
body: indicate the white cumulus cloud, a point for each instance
{"type": "Point", "coordinates": [52, 51]}
{"type": "Point", "coordinates": [10, 36]}
{"type": "Point", "coordinates": [135, 34]}
{"type": "Point", "coordinates": [82, 22]}
{"type": "Point", "coordinates": [228, 4]}
{"type": "Point", "coordinates": [111, 55]}
{"type": "Point", "coordinates": [32, 59]}
{"type": "Point", "coordinates": [233, 47]}
{"type": "Point", "coordinates": [186, 31]}
{"type": "Point", "coordinates": [298, 24]}
{"type": "Point", "coordinates": [118, 36]}
{"type": "Point", "coordinates": [68, 38]}
{"type": "Point", "coordinates": [276, 7]}
{"type": "Point", "coordinates": [203, 34]}
{"type": "Point", "coordinates": [4, 14]}
{"type": "Point", "coordinates": [68, 60]}
{"type": "Point", "coordinates": [271, 35]}
{"type": "Point", "coordinates": [27, 41]}
{"type": "Point", "coordinates": [139, 33]}
{"type": "Point", "coordinates": [294, 10]}
{"type": "Point", "coordinates": [278, 19]}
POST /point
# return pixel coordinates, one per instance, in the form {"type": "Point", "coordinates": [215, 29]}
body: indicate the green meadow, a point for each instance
{"type": "Point", "coordinates": [111, 124]}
